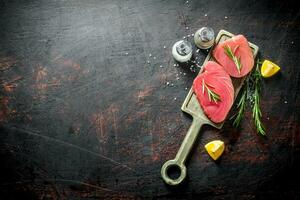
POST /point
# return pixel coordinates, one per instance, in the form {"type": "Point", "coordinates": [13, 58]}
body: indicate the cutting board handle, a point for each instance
{"type": "Point", "coordinates": [182, 154]}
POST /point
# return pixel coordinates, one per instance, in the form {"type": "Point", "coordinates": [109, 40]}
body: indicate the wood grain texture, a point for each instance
{"type": "Point", "coordinates": [84, 116]}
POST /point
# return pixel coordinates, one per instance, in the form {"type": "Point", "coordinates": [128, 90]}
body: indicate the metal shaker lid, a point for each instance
{"type": "Point", "coordinates": [184, 48]}
{"type": "Point", "coordinates": [206, 34]}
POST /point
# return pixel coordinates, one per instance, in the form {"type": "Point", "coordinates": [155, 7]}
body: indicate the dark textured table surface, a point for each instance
{"type": "Point", "coordinates": [84, 116]}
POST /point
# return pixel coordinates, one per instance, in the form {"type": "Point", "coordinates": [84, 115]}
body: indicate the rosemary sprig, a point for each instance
{"type": "Point", "coordinates": [256, 112]}
{"type": "Point", "coordinates": [241, 106]}
{"type": "Point", "coordinates": [251, 91]}
{"type": "Point", "coordinates": [230, 54]}
{"type": "Point", "coordinates": [212, 96]}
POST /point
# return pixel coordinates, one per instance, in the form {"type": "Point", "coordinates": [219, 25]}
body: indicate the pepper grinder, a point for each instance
{"type": "Point", "coordinates": [204, 38]}
{"type": "Point", "coordinates": [182, 51]}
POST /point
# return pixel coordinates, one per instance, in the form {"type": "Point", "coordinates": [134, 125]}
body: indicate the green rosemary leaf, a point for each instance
{"type": "Point", "coordinates": [230, 54]}
{"type": "Point", "coordinates": [256, 111]}
{"type": "Point", "coordinates": [241, 108]}
{"type": "Point", "coordinates": [251, 91]}
{"type": "Point", "coordinates": [212, 96]}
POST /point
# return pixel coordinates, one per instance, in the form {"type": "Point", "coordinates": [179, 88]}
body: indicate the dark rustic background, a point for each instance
{"type": "Point", "coordinates": [84, 116]}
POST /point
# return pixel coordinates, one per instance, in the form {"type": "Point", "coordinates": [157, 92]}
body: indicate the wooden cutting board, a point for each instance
{"type": "Point", "coordinates": [192, 107]}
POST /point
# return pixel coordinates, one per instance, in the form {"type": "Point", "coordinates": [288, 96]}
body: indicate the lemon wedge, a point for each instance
{"type": "Point", "coordinates": [215, 148]}
{"type": "Point", "coordinates": [268, 69]}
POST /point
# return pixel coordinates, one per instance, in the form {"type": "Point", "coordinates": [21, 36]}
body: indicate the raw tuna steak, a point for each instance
{"type": "Point", "coordinates": [214, 91]}
{"type": "Point", "coordinates": [240, 49]}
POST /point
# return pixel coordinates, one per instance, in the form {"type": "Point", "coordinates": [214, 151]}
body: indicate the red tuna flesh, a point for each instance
{"type": "Point", "coordinates": [240, 48]}
{"type": "Point", "coordinates": [218, 81]}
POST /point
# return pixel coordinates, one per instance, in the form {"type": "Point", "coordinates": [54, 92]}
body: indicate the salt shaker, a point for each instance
{"type": "Point", "coordinates": [204, 38]}
{"type": "Point", "coordinates": [182, 51]}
